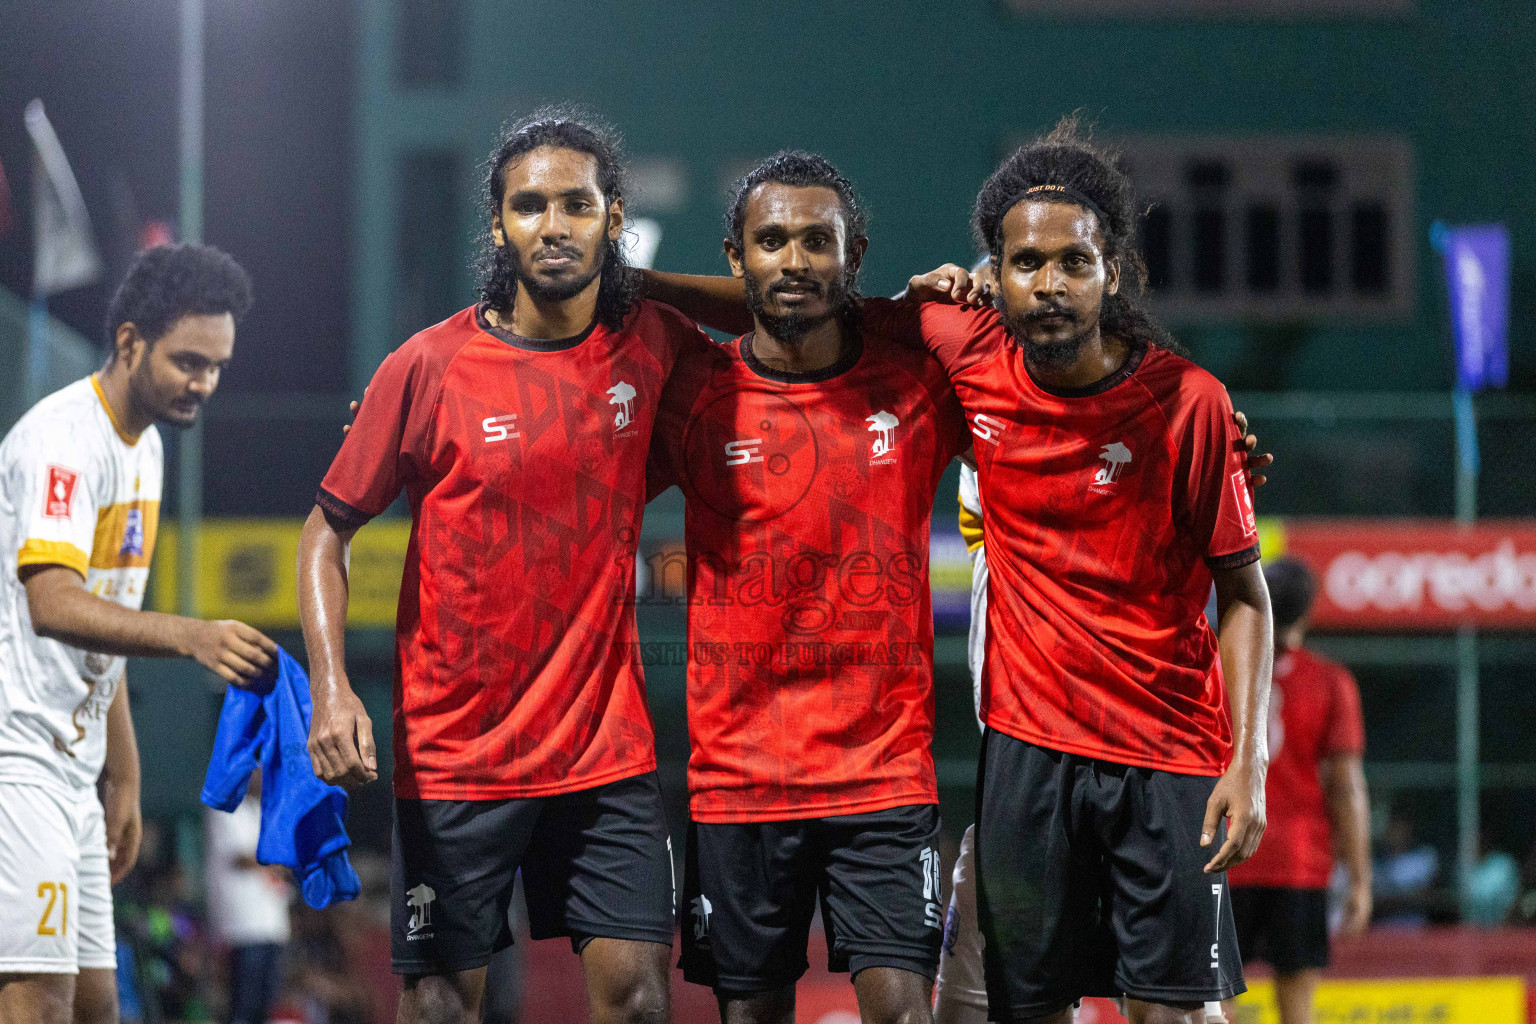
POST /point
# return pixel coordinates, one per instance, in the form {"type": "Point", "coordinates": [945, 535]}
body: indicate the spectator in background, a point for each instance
{"type": "Point", "coordinates": [1406, 872]}
{"type": "Point", "coordinates": [1489, 893]}
{"type": "Point", "coordinates": [1317, 805]}
{"type": "Point", "coordinates": [247, 907]}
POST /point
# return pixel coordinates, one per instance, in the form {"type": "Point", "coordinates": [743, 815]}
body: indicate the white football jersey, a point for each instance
{"type": "Point", "coordinates": [75, 490]}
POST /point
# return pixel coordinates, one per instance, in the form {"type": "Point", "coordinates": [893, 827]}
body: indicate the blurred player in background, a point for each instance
{"type": "Point", "coordinates": [80, 484]}
{"type": "Point", "coordinates": [518, 429]}
{"type": "Point", "coordinates": [1117, 489]}
{"type": "Point", "coordinates": [1320, 808]}
{"type": "Point", "coordinates": [809, 451]}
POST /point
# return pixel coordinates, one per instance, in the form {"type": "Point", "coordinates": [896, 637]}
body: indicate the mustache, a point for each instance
{"type": "Point", "coordinates": [568, 251]}
{"type": "Point", "coordinates": [1049, 310]}
{"type": "Point", "coordinates": [797, 284]}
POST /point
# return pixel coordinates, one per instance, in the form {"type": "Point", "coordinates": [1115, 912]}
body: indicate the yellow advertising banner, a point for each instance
{"type": "Point", "coordinates": [1398, 1001]}
{"type": "Point", "coordinates": [250, 571]}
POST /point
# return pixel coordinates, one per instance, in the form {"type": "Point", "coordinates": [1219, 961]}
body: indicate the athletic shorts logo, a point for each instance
{"type": "Point", "coordinates": [1116, 457]}
{"type": "Point", "coordinates": [419, 901]}
{"type": "Point", "coordinates": [740, 453]}
{"type": "Point", "coordinates": [931, 887]}
{"type": "Point", "coordinates": [884, 425]}
{"type": "Point", "coordinates": [61, 492]}
{"type": "Point", "coordinates": [499, 428]}
{"type": "Point", "coordinates": [1244, 502]}
{"type": "Point", "coordinates": [701, 911]}
{"type": "Point", "coordinates": [1216, 946]}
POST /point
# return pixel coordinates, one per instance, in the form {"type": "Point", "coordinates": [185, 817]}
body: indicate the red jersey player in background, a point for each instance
{"type": "Point", "coordinates": [518, 429]}
{"type": "Point", "coordinates": [809, 451]}
{"type": "Point", "coordinates": [1120, 731]}
{"type": "Point", "coordinates": [1318, 809]}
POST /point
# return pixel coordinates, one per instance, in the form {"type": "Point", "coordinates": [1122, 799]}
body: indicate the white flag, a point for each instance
{"type": "Point", "coordinates": [65, 253]}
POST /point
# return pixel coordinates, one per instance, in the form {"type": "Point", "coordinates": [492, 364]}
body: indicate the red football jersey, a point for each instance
{"type": "Point", "coordinates": [810, 622]}
{"type": "Point", "coordinates": [1106, 509]}
{"type": "Point", "coordinates": [1314, 714]}
{"type": "Point", "coordinates": [516, 667]}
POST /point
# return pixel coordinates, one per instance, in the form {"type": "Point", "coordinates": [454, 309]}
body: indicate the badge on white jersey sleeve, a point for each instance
{"type": "Point", "coordinates": [57, 508]}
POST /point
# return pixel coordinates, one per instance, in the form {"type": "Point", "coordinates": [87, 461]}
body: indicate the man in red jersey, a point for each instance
{"type": "Point", "coordinates": [518, 430]}
{"type": "Point", "coordinates": [1317, 739]}
{"type": "Point", "coordinates": [1120, 733]}
{"type": "Point", "coordinates": [809, 451]}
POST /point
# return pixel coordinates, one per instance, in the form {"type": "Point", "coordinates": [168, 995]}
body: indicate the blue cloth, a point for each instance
{"type": "Point", "coordinates": [303, 820]}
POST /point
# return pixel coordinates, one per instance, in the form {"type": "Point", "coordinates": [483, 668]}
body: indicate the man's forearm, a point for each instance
{"type": "Point", "coordinates": [718, 302]}
{"type": "Point", "coordinates": [1349, 811]}
{"type": "Point", "coordinates": [63, 610]}
{"type": "Point", "coordinates": [121, 768]}
{"type": "Point", "coordinates": [1247, 658]}
{"type": "Point", "coordinates": [323, 596]}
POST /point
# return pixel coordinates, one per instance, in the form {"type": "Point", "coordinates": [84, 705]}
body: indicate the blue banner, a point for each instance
{"type": "Point", "coordinates": [1477, 272]}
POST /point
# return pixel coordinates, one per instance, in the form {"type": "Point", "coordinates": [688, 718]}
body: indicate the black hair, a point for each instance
{"type": "Point", "coordinates": [1066, 159]}
{"type": "Point", "coordinates": [799, 169]}
{"type": "Point", "coordinates": [562, 128]}
{"type": "Point", "coordinates": [169, 282]}
{"type": "Point", "coordinates": [1292, 588]}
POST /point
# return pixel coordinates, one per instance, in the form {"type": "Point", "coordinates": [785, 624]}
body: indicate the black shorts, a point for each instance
{"type": "Point", "coordinates": [596, 864]}
{"type": "Point", "coordinates": [1091, 882]}
{"type": "Point", "coordinates": [750, 891]}
{"type": "Point", "coordinates": [1286, 928]}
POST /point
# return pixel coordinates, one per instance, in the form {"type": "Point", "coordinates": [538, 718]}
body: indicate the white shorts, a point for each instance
{"type": "Point", "coordinates": [55, 883]}
{"type": "Point", "coordinates": [960, 993]}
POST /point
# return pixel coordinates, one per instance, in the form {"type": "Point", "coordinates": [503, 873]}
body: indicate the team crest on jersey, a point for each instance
{"type": "Point", "coordinates": [622, 395]}
{"type": "Point", "coordinates": [883, 424]}
{"type": "Point", "coordinates": [133, 534]}
{"type": "Point", "coordinates": [1116, 457]}
{"type": "Point", "coordinates": [61, 492]}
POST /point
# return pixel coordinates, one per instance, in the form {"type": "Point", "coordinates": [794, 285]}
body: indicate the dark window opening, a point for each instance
{"type": "Point", "coordinates": [428, 51]}
{"type": "Point", "coordinates": [1263, 248]}
{"type": "Point", "coordinates": [430, 245]}
{"type": "Point", "coordinates": [1369, 272]}
{"type": "Point", "coordinates": [1157, 246]}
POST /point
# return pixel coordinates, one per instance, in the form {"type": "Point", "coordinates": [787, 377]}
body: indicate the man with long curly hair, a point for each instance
{"type": "Point", "coordinates": [518, 429]}
{"type": "Point", "coordinates": [1120, 732]}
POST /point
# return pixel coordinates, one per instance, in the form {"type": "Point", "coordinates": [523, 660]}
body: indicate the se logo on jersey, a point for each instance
{"type": "Point", "coordinates": [1244, 502]}
{"type": "Point", "coordinates": [61, 492]}
{"type": "Point", "coordinates": [884, 425]}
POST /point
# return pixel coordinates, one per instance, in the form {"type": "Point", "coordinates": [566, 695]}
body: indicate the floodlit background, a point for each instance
{"type": "Point", "coordinates": [1295, 157]}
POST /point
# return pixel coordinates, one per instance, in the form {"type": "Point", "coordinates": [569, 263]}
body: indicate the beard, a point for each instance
{"type": "Point", "coordinates": [545, 290]}
{"type": "Point", "coordinates": [790, 328]}
{"type": "Point", "coordinates": [1047, 353]}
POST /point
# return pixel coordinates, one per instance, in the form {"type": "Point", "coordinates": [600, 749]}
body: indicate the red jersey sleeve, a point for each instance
{"type": "Point", "coordinates": [1346, 725]}
{"type": "Point", "coordinates": [959, 337]}
{"type": "Point", "coordinates": [1213, 467]}
{"type": "Point", "coordinates": [697, 358]}
{"type": "Point", "coordinates": [388, 443]}
{"type": "Point", "coordinates": [904, 322]}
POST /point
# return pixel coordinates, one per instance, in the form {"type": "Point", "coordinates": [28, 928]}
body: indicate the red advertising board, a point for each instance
{"type": "Point", "coordinates": [1415, 574]}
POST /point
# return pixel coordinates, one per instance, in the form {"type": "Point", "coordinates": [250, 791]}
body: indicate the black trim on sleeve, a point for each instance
{"type": "Point", "coordinates": [1236, 560]}
{"type": "Point", "coordinates": [338, 513]}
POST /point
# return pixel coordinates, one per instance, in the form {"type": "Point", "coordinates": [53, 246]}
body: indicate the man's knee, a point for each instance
{"type": "Point", "coordinates": [96, 997]}
{"type": "Point", "coordinates": [433, 999]}
{"type": "Point", "coordinates": [638, 996]}
{"type": "Point", "coordinates": [1162, 1013]}
{"type": "Point", "coordinates": [627, 981]}
{"type": "Point", "coordinates": [36, 998]}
